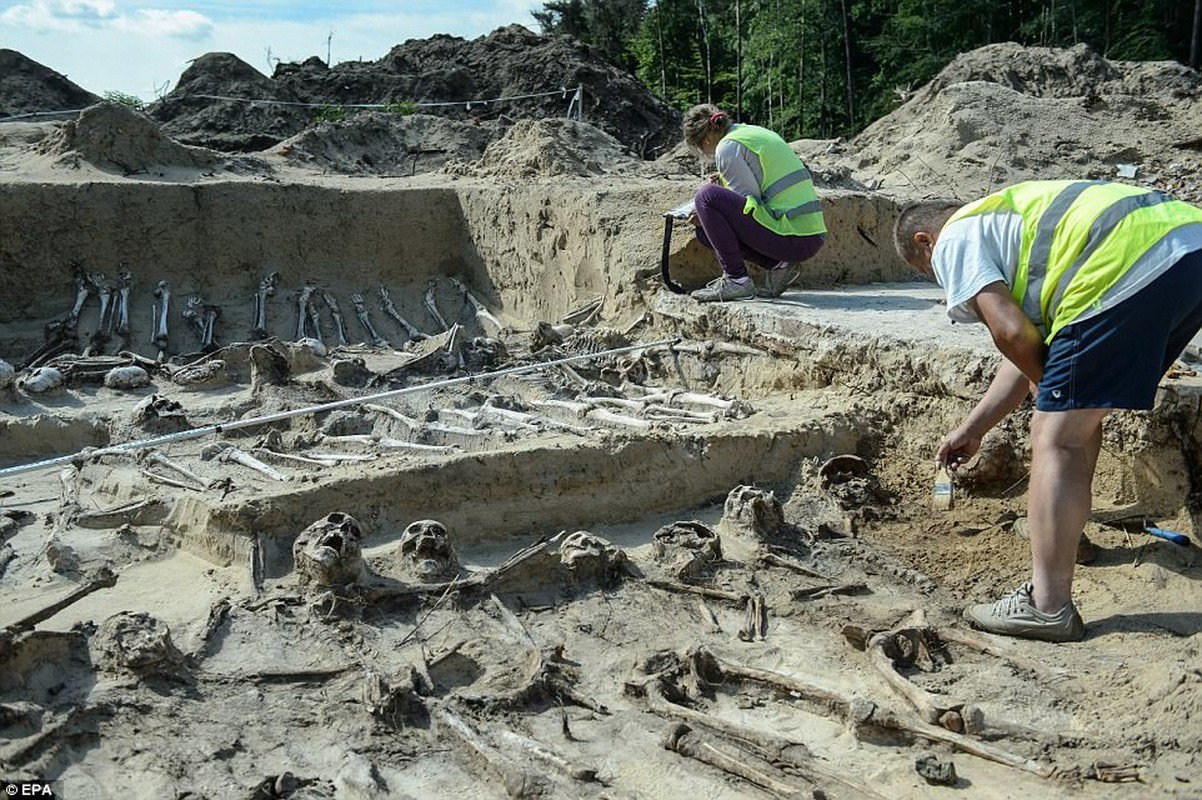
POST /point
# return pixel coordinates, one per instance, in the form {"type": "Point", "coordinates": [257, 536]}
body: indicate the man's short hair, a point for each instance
{"type": "Point", "coordinates": [922, 215]}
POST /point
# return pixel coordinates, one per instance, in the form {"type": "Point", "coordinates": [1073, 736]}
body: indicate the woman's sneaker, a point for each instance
{"type": "Point", "coordinates": [779, 278]}
{"type": "Point", "coordinates": [1016, 615]}
{"type": "Point", "coordinates": [723, 288]}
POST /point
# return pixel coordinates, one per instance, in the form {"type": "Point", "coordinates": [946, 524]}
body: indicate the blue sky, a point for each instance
{"type": "Point", "coordinates": [141, 48]}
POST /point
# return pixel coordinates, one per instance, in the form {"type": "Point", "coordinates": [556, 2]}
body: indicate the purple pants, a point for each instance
{"type": "Point", "coordinates": [736, 237]}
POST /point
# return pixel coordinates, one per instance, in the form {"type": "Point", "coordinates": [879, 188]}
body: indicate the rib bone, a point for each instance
{"type": "Point", "coordinates": [266, 289]}
{"type": "Point", "coordinates": [413, 333]}
{"type": "Point", "coordinates": [332, 302]}
{"type": "Point", "coordinates": [361, 313]}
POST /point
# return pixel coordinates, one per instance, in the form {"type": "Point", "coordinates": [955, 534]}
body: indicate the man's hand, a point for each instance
{"type": "Point", "coordinates": [957, 448]}
{"type": "Point", "coordinates": [693, 219]}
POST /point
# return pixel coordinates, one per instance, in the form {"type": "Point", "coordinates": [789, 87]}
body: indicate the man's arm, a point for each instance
{"type": "Point", "coordinates": [1015, 336]}
{"type": "Point", "coordinates": [1005, 393]}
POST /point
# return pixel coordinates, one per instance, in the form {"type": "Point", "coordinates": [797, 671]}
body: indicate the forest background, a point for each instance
{"type": "Point", "coordinates": [828, 68]}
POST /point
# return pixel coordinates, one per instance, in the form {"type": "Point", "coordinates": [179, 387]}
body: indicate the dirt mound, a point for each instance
{"type": "Point", "coordinates": [1006, 113]}
{"type": "Point", "coordinates": [194, 113]}
{"type": "Point", "coordinates": [377, 143]}
{"type": "Point", "coordinates": [536, 75]}
{"type": "Point", "coordinates": [111, 136]}
{"type": "Point", "coordinates": [27, 87]}
{"type": "Point", "coordinates": [551, 147]}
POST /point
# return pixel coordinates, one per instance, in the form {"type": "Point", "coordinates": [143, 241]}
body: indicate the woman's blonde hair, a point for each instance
{"type": "Point", "coordinates": [700, 120]}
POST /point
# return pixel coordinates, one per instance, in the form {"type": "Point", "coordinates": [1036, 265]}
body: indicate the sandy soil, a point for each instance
{"type": "Point", "coordinates": [680, 549]}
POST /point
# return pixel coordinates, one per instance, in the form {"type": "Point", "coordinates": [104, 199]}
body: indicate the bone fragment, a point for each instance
{"type": "Point", "coordinates": [481, 419]}
{"type": "Point", "coordinates": [224, 451]}
{"type": "Point", "coordinates": [155, 477]}
{"type": "Point", "coordinates": [103, 579]}
{"type": "Point", "coordinates": [923, 701]}
{"type": "Point", "coordinates": [294, 458]}
{"type": "Point", "coordinates": [543, 753]}
{"type": "Point", "coordinates": [517, 781]}
{"type": "Point", "coordinates": [482, 313]}
{"type": "Point", "coordinates": [361, 312]}
{"type": "Point", "coordinates": [815, 592]}
{"type": "Point", "coordinates": [579, 316]}
{"type": "Point", "coordinates": [432, 307]}
{"type": "Point", "coordinates": [777, 561]}
{"type": "Point", "coordinates": [453, 430]}
{"type": "Point", "coordinates": [602, 415]}
{"type": "Point", "coordinates": [83, 287]}
{"type": "Point", "coordinates": [100, 336]}
{"type": "Point", "coordinates": [339, 329]}
{"type": "Point", "coordinates": [390, 309]}
{"type": "Point", "coordinates": [682, 739]}
{"type": "Point", "coordinates": [755, 626]}
{"type": "Point", "coordinates": [258, 328]}
{"type": "Point", "coordinates": [302, 311]}
{"type": "Point", "coordinates": [162, 294]}
{"type": "Point", "coordinates": [208, 321]}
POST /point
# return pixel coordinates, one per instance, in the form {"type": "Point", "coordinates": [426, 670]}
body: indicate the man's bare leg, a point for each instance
{"type": "Point", "coordinates": [1064, 452]}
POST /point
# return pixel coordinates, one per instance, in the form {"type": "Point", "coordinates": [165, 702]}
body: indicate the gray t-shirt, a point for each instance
{"type": "Point", "coordinates": [739, 166]}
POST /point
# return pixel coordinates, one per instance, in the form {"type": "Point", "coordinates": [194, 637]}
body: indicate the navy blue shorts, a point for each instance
{"type": "Point", "coordinates": [1117, 358]}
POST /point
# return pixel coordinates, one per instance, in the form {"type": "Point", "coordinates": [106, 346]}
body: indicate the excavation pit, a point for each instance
{"type": "Point", "coordinates": [576, 629]}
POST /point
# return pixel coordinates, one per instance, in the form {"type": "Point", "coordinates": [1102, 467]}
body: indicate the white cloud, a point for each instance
{"type": "Point", "coordinates": [43, 15]}
{"type": "Point", "coordinates": [154, 22]}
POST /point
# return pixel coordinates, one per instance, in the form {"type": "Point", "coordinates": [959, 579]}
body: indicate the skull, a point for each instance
{"type": "Point", "coordinates": [750, 509]}
{"type": "Point", "coordinates": [131, 377]}
{"type": "Point", "coordinates": [159, 413]}
{"type": "Point", "coordinates": [137, 642]}
{"type": "Point", "coordinates": [328, 552]}
{"type": "Point", "coordinates": [425, 551]}
{"type": "Point", "coordinates": [42, 379]}
{"type": "Point", "coordinates": [591, 559]}
{"type": "Point", "coordinates": [688, 547]}
{"type": "Point", "coordinates": [482, 352]}
{"type": "Point", "coordinates": [7, 375]}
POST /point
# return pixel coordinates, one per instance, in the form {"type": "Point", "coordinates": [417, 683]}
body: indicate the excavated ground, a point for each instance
{"type": "Point", "coordinates": [754, 481]}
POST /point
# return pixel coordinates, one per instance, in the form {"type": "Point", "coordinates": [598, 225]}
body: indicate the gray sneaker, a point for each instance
{"type": "Point", "coordinates": [779, 278]}
{"type": "Point", "coordinates": [722, 289]}
{"type": "Point", "coordinates": [1016, 615]}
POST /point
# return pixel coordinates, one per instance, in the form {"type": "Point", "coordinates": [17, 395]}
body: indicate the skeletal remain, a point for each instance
{"type": "Point", "coordinates": [339, 329]}
{"type": "Point", "coordinates": [478, 419]}
{"type": "Point", "coordinates": [365, 321]}
{"type": "Point", "coordinates": [224, 451]}
{"type": "Point", "coordinates": [7, 375]}
{"type": "Point", "coordinates": [755, 626]}
{"type": "Point", "coordinates": [305, 312]}
{"type": "Point", "coordinates": [590, 559]}
{"type": "Point", "coordinates": [201, 374]}
{"type": "Point", "coordinates": [130, 377]}
{"type": "Point", "coordinates": [155, 457]}
{"type": "Point", "coordinates": [83, 287]}
{"type": "Point", "coordinates": [159, 338]}
{"type": "Point", "coordinates": [483, 352]}
{"type": "Point", "coordinates": [104, 578]}
{"type": "Point", "coordinates": [425, 551]}
{"type": "Point", "coordinates": [682, 739]}
{"type": "Point", "coordinates": [432, 307]}
{"type": "Point", "coordinates": [390, 309]}
{"type": "Point", "coordinates": [482, 313]}
{"type": "Point", "coordinates": [204, 316]}
{"type": "Point", "coordinates": [329, 552]}
{"type": "Point", "coordinates": [100, 336]}
{"type": "Point", "coordinates": [491, 412]}
{"type": "Point", "coordinates": [689, 547]}
{"type": "Point", "coordinates": [134, 641]}
{"type": "Point", "coordinates": [409, 422]}
{"type": "Point", "coordinates": [581, 315]}
{"type": "Point", "coordinates": [753, 510]}
{"type": "Point", "coordinates": [586, 410]}
{"type": "Point", "coordinates": [42, 379]}
{"type": "Point", "coordinates": [121, 313]}
{"type": "Point", "coordinates": [703, 591]}
{"type": "Point", "coordinates": [258, 328]}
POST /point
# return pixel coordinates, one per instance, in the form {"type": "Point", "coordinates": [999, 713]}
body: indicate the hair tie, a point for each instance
{"type": "Point", "coordinates": [716, 116]}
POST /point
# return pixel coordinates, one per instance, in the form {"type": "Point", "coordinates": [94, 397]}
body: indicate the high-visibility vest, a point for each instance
{"type": "Point", "coordinates": [1079, 238]}
{"type": "Point", "coordinates": [788, 204]}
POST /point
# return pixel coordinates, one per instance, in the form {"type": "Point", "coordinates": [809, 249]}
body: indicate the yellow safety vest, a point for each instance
{"type": "Point", "coordinates": [788, 204]}
{"type": "Point", "coordinates": [1079, 238]}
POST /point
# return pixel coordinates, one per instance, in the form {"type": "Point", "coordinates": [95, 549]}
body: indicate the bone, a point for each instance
{"type": "Point", "coordinates": [105, 578]}
{"type": "Point", "coordinates": [517, 781]}
{"type": "Point", "coordinates": [390, 309]}
{"type": "Point", "coordinates": [543, 753]}
{"type": "Point", "coordinates": [361, 312]}
{"type": "Point", "coordinates": [224, 451]}
{"type": "Point", "coordinates": [302, 307]}
{"type": "Point", "coordinates": [266, 289]}
{"type": "Point", "coordinates": [83, 287]}
{"type": "Point", "coordinates": [581, 315]}
{"type": "Point", "coordinates": [409, 422]}
{"type": "Point", "coordinates": [482, 313]}
{"type": "Point", "coordinates": [339, 329]}
{"type": "Point", "coordinates": [755, 626]}
{"type": "Point", "coordinates": [159, 336]}
{"type": "Point", "coordinates": [209, 317]}
{"type": "Point", "coordinates": [155, 457]}
{"type": "Point", "coordinates": [100, 336]}
{"type": "Point", "coordinates": [121, 314]}
{"type": "Point", "coordinates": [432, 307]}
{"type": "Point", "coordinates": [155, 477]}
{"type": "Point", "coordinates": [682, 739]}
{"type": "Point", "coordinates": [926, 704]}
{"type": "Point", "coordinates": [713, 594]}
{"type": "Point", "coordinates": [480, 419]}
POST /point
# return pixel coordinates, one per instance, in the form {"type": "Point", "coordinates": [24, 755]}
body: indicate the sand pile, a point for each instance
{"type": "Point", "coordinates": [111, 136]}
{"type": "Point", "coordinates": [550, 147]}
{"type": "Point", "coordinates": [540, 74]}
{"type": "Point", "coordinates": [377, 143]}
{"type": "Point", "coordinates": [1006, 113]}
